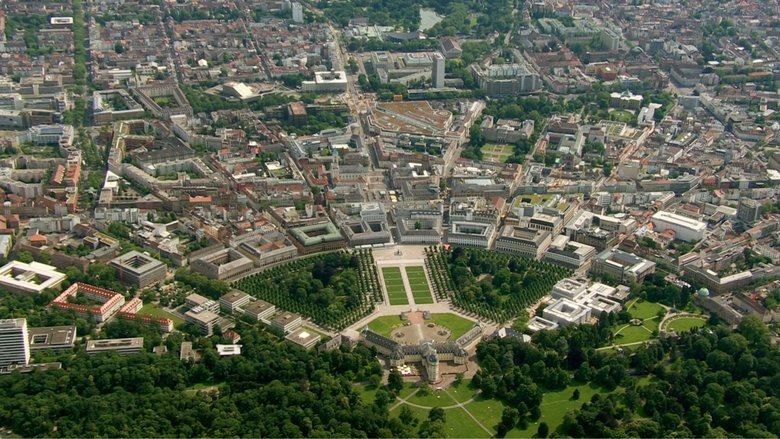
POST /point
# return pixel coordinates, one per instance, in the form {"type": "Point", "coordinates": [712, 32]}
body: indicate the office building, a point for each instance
{"type": "Point", "coordinates": [541, 221]}
{"type": "Point", "coordinates": [228, 350]}
{"type": "Point", "coordinates": [437, 71]}
{"type": "Point", "coordinates": [196, 300]}
{"type": "Point", "coordinates": [748, 211]}
{"type": "Point", "coordinates": [139, 269]}
{"type": "Point", "coordinates": [476, 209]}
{"type": "Point", "coordinates": [537, 324]}
{"type": "Point", "coordinates": [315, 238]}
{"type": "Point", "coordinates": [222, 264]}
{"type": "Point", "coordinates": [684, 228]}
{"type": "Point", "coordinates": [286, 322]}
{"type": "Point", "coordinates": [506, 130]}
{"type": "Point", "coordinates": [520, 241]}
{"type": "Point", "coordinates": [565, 312]}
{"type": "Point", "coordinates": [14, 342]}
{"type": "Point", "coordinates": [334, 81]}
{"type": "Point", "coordinates": [297, 12]}
{"type": "Point", "coordinates": [570, 254]}
{"type": "Point", "coordinates": [32, 278]}
{"type": "Point", "coordinates": [233, 301]}
{"type": "Point", "coordinates": [471, 234]}
{"type": "Point", "coordinates": [122, 346]}
{"type": "Point", "coordinates": [260, 310]}
{"type": "Point", "coordinates": [506, 79]}
{"type": "Point", "coordinates": [52, 338]}
{"type": "Point", "coordinates": [624, 267]}
{"type": "Point", "coordinates": [303, 338]}
{"type": "Point", "coordinates": [204, 319]}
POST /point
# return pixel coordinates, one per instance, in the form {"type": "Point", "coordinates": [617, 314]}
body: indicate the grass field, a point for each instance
{"type": "Point", "coordinates": [153, 310]}
{"type": "Point", "coordinates": [554, 407]}
{"type": "Point", "coordinates": [396, 292]}
{"type": "Point", "coordinates": [497, 153]}
{"type": "Point", "coordinates": [384, 325]}
{"type": "Point", "coordinates": [458, 423]}
{"type": "Point", "coordinates": [632, 334]}
{"type": "Point", "coordinates": [419, 284]}
{"type": "Point", "coordinates": [685, 324]}
{"type": "Point", "coordinates": [644, 310]}
{"type": "Point", "coordinates": [458, 325]}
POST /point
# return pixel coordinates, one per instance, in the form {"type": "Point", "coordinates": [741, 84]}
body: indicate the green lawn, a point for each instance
{"type": "Point", "coordinates": [384, 325]}
{"type": "Point", "coordinates": [461, 392]}
{"type": "Point", "coordinates": [632, 334]}
{"type": "Point", "coordinates": [488, 411]}
{"type": "Point", "coordinates": [151, 309]}
{"type": "Point", "coordinates": [458, 423]}
{"type": "Point", "coordinates": [419, 284]}
{"type": "Point", "coordinates": [644, 310]}
{"type": "Point", "coordinates": [457, 324]}
{"type": "Point", "coordinates": [396, 292]}
{"type": "Point", "coordinates": [651, 324]}
{"type": "Point", "coordinates": [554, 407]}
{"type": "Point", "coordinates": [435, 398]}
{"type": "Point", "coordinates": [685, 324]}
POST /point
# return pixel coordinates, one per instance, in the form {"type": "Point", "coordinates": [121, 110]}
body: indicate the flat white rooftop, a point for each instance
{"type": "Point", "coordinates": [29, 278]}
{"type": "Point", "coordinates": [679, 220]}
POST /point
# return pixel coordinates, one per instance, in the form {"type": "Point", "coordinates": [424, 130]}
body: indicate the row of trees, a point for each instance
{"type": "Point", "coordinates": [509, 285]}
{"type": "Point", "coordinates": [333, 288]}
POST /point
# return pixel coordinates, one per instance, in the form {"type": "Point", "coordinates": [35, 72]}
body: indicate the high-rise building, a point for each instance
{"type": "Point", "coordinates": [748, 210]}
{"type": "Point", "coordinates": [437, 72]}
{"type": "Point", "coordinates": [297, 12]}
{"type": "Point", "coordinates": [14, 342]}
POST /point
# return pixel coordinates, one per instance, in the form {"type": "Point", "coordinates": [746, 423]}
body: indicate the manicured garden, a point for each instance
{"type": "Point", "coordinates": [419, 284]}
{"type": "Point", "coordinates": [686, 323]}
{"type": "Point", "coordinates": [384, 325]}
{"type": "Point", "coordinates": [455, 323]}
{"type": "Point", "coordinates": [458, 326]}
{"type": "Point", "coordinates": [497, 153]}
{"type": "Point", "coordinates": [645, 311]}
{"type": "Point", "coordinates": [394, 284]}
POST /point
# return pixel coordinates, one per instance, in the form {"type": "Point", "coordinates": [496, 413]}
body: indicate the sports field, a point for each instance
{"type": "Point", "coordinates": [497, 153]}
{"type": "Point", "coordinates": [419, 284]}
{"type": "Point", "coordinates": [396, 293]}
